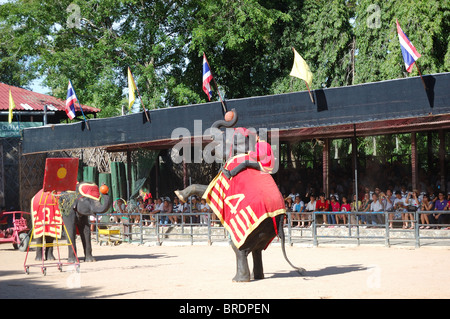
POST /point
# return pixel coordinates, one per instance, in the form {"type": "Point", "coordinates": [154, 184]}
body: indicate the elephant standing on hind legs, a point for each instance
{"type": "Point", "coordinates": [245, 198]}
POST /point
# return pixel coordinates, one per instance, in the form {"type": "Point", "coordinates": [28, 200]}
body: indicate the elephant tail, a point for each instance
{"type": "Point", "coordinates": [300, 270]}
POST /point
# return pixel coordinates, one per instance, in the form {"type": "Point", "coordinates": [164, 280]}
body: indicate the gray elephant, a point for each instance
{"type": "Point", "coordinates": [75, 208]}
{"type": "Point", "coordinates": [245, 197]}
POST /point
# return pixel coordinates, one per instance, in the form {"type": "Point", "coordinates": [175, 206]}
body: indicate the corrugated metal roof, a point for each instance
{"type": "Point", "coordinates": [26, 100]}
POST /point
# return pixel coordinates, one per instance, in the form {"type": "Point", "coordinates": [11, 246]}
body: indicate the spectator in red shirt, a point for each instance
{"type": "Point", "coordinates": [345, 207]}
{"type": "Point", "coordinates": [322, 205]}
{"type": "Point", "coordinates": [335, 207]}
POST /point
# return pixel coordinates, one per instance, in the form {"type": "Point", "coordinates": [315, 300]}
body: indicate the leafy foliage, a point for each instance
{"type": "Point", "coordinates": [248, 44]}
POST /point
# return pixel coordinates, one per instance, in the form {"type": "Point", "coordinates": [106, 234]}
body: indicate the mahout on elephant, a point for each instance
{"type": "Point", "coordinates": [75, 207]}
{"type": "Point", "coordinates": [244, 196]}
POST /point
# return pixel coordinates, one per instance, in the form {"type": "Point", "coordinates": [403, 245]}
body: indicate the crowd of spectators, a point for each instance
{"type": "Point", "coordinates": [400, 206]}
{"type": "Point", "coordinates": [399, 202]}
{"type": "Point", "coordinates": [171, 211]}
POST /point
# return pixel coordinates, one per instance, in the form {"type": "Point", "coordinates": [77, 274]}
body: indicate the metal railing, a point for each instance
{"type": "Point", "coordinates": [199, 227]}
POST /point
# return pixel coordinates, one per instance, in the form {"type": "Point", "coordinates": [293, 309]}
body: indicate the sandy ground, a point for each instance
{"type": "Point", "coordinates": [132, 271]}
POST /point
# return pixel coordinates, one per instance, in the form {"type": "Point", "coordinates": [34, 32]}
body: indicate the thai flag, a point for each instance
{"type": "Point", "coordinates": [70, 102]}
{"type": "Point", "coordinates": [409, 52]}
{"type": "Point", "coordinates": [207, 77]}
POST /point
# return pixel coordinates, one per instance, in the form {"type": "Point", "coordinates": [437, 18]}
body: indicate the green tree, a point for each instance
{"type": "Point", "coordinates": [248, 44]}
{"type": "Point", "coordinates": [93, 43]}
{"type": "Point", "coordinates": [378, 50]}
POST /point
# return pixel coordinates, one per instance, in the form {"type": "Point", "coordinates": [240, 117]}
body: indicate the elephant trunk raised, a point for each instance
{"type": "Point", "coordinates": [87, 206]}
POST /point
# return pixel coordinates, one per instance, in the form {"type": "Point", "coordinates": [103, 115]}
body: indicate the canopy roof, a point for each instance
{"type": "Point", "coordinates": [393, 106]}
{"type": "Point", "coordinates": [28, 101]}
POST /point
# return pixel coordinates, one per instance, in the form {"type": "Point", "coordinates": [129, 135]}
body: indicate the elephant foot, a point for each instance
{"type": "Point", "coordinates": [241, 278]}
{"type": "Point", "coordinates": [180, 196]}
{"type": "Point", "coordinates": [71, 260]}
{"type": "Point", "coordinates": [258, 276]}
{"type": "Point", "coordinates": [89, 259]}
{"type": "Point", "coordinates": [50, 257]}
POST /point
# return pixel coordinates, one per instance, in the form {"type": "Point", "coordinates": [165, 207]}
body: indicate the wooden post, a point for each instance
{"type": "Point", "coordinates": [326, 167]}
{"type": "Point", "coordinates": [414, 162]}
{"type": "Point", "coordinates": [129, 179]}
{"type": "Point", "coordinates": [442, 160]}
{"type": "Point", "coordinates": [355, 165]}
{"type": "Point", "coordinates": [157, 179]}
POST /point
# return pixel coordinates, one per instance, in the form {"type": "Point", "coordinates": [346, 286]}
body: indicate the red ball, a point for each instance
{"type": "Point", "coordinates": [229, 116]}
{"type": "Point", "coordinates": [104, 189]}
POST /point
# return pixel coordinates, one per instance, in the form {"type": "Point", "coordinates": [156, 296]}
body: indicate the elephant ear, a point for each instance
{"type": "Point", "coordinates": [89, 190]}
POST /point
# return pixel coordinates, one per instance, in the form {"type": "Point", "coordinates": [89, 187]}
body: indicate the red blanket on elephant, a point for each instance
{"type": "Point", "coordinates": [46, 216]}
{"type": "Point", "coordinates": [244, 201]}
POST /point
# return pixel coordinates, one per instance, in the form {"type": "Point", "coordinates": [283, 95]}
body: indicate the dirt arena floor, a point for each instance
{"type": "Point", "coordinates": [204, 272]}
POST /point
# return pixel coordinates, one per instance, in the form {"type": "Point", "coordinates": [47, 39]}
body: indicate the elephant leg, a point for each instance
{"type": "Point", "coordinates": [39, 255]}
{"type": "Point", "coordinates": [194, 189]}
{"type": "Point", "coordinates": [242, 269]}
{"type": "Point", "coordinates": [258, 272]}
{"type": "Point", "coordinates": [85, 234]}
{"type": "Point", "coordinates": [49, 250]}
{"type": "Point", "coordinates": [47, 253]}
{"type": "Point", "coordinates": [69, 222]}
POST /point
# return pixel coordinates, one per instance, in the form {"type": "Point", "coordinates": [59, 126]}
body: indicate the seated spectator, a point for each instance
{"type": "Point", "coordinates": [335, 207]}
{"type": "Point", "coordinates": [426, 206]}
{"type": "Point", "coordinates": [310, 207]}
{"type": "Point", "coordinates": [140, 209]}
{"type": "Point", "coordinates": [195, 208]}
{"type": "Point", "coordinates": [149, 207]}
{"type": "Point", "coordinates": [365, 207]}
{"type": "Point", "coordinates": [356, 207]}
{"type": "Point", "coordinates": [119, 207]}
{"type": "Point", "coordinates": [375, 206]}
{"type": "Point", "coordinates": [168, 209]}
{"type": "Point", "coordinates": [388, 204]}
{"type": "Point", "coordinates": [204, 208]}
{"type": "Point", "coordinates": [289, 203]}
{"type": "Point", "coordinates": [177, 207]}
{"type": "Point", "coordinates": [299, 206]}
{"type": "Point", "coordinates": [158, 209]}
{"type": "Point", "coordinates": [400, 206]}
{"type": "Point", "coordinates": [412, 199]}
{"type": "Point", "coordinates": [439, 205]}
{"type": "Point", "coordinates": [322, 205]}
{"type": "Point", "coordinates": [345, 207]}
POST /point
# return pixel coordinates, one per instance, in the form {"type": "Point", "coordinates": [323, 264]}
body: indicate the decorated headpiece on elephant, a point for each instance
{"type": "Point", "coordinates": [244, 195]}
{"type": "Point", "coordinates": [74, 207]}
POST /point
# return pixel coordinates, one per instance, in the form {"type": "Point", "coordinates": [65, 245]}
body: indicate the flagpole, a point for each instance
{"type": "Point", "coordinates": [217, 87]}
{"type": "Point", "coordinates": [143, 106]}
{"type": "Point", "coordinates": [310, 95]}
{"type": "Point", "coordinates": [423, 81]}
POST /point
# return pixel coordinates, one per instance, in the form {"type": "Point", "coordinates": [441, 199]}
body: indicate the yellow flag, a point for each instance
{"type": "Point", "coordinates": [11, 107]}
{"type": "Point", "coordinates": [300, 69]}
{"type": "Point", "coordinates": [131, 89]}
